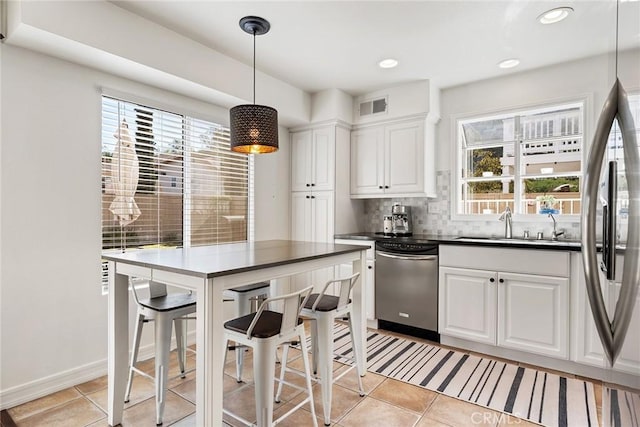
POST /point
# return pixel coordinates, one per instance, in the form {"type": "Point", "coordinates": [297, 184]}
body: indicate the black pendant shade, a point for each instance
{"type": "Point", "coordinates": [254, 128]}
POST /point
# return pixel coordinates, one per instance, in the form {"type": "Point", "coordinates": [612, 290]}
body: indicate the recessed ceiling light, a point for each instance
{"type": "Point", "coordinates": [555, 15]}
{"type": "Point", "coordinates": [509, 63]}
{"type": "Point", "coordinates": [388, 63]}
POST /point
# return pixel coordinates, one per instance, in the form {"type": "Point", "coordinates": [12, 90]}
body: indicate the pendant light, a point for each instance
{"type": "Point", "coordinates": [254, 128]}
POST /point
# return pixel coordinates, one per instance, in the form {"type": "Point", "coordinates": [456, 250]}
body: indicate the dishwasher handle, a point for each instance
{"type": "Point", "coordinates": [408, 257]}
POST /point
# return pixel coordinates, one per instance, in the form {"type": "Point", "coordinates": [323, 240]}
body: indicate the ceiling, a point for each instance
{"type": "Point", "coordinates": [317, 45]}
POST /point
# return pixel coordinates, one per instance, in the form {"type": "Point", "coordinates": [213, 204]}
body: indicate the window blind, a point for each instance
{"type": "Point", "coordinates": [192, 189]}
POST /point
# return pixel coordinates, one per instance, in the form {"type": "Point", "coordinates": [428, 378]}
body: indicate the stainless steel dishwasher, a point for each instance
{"type": "Point", "coordinates": [407, 288]}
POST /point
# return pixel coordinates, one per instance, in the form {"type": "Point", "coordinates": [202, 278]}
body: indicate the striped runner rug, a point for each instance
{"type": "Point", "coordinates": [537, 396]}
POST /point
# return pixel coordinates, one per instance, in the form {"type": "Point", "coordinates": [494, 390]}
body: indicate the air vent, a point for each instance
{"type": "Point", "coordinates": [374, 106]}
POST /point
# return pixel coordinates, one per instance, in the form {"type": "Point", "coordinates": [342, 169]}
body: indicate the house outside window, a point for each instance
{"type": "Point", "coordinates": [528, 160]}
{"type": "Point", "coordinates": [192, 189]}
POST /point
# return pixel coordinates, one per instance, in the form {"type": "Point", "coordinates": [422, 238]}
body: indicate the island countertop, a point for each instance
{"type": "Point", "coordinates": [220, 260]}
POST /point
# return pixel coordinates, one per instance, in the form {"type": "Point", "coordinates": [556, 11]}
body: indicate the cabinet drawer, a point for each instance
{"type": "Point", "coordinates": [526, 261]}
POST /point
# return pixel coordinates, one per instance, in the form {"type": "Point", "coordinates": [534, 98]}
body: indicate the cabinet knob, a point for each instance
{"type": "Point", "coordinates": [313, 185]}
{"type": "Point", "coordinates": [386, 186]}
{"type": "Point", "coordinates": [501, 280]}
{"type": "Point", "coordinates": [308, 185]}
{"type": "Point", "coordinates": [308, 197]}
{"type": "Point", "coordinates": [313, 197]}
{"type": "Point", "coordinates": [492, 280]}
{"type": "Point", "coordinates": [369, 267]}
{"type": "Point", "coordinates": [380, 187]}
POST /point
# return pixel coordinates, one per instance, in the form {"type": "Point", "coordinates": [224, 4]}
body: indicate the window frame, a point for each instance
{"type": "Point", "coordinates": [456, 160]}
{"type": "Point", "coordinates": [188, 118]}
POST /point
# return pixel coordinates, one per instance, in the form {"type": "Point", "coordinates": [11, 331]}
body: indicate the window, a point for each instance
{"type": "Point", "coordinates": [192, 189]}
{"type": "Point", "coordinates": [530, 161]}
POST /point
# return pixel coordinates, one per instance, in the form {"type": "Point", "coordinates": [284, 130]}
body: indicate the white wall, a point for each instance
{"type": "Point", "coordinates": [53, 318]}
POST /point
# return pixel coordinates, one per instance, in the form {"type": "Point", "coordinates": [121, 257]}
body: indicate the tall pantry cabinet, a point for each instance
{"type": "Point", "coordinates": [320, 201]}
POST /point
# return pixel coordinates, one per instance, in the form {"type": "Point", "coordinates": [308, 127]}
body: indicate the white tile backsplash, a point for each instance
{"type": "Point", "coordinates": [432, 216]}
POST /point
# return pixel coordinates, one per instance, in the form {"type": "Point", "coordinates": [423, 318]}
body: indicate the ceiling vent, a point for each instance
{"type": "Point", "coordinates": [373, 106]}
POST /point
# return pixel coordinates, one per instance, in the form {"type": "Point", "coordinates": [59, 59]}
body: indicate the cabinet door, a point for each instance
{"type": "Point", "coordinates": [404, 155]}
{"type": "Point", "coordinates": [301, 216]}
{"type": "Point", "coordinates": [301, 158]}
{"type": "Point", "coordinates": [371, 289]}
{"type": "Point", "coordinates": [322, 216]}
{"type": "Point", "coordinates": [629, 358]}
{"type": "Point", "coordinates": [467, 304]}
{"type": "Point", "coordinates": [323, 159]}
{"type": "Point", "coordinates": [367, 161]}
{"type": "Point", "coordinates": [533, 313]}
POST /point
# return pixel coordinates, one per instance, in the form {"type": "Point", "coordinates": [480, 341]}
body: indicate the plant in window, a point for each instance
{"type": "Point", "coordinates": [547, 204]}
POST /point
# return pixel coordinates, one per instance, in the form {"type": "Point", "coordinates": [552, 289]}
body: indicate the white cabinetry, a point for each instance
{"type": "Point", "coordinates": [312, 159]}
{"type": "Point", "coordinates": [320, 202]}
{"type": "Point", "coordinates": [389, 160]}
{"type": "Point", "coordinates": [587, 346]}
{"type": "Point", "coordinates": [370, 275]}
{"type": "Point", "coordinates": [467, 307]}
{"type": "Point", "coordinates": [312, 215]}
{"type": "Point", "coordinates": [512, 298]}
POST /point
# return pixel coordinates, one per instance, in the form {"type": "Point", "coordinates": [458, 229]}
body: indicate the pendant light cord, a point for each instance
{"type": "Point", "coordinates": [254, 66]}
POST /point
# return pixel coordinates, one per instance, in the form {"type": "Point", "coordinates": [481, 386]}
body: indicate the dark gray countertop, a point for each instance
{"type": "Point", "coordinates": [230, 258]}
{"type": "Point", "coordinates": [559, 245]}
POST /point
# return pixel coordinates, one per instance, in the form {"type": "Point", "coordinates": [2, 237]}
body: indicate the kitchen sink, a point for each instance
{"type": "Point", "coordinates": [518, 241]}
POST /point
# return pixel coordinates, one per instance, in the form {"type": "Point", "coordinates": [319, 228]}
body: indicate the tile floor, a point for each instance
{"type": "Point", "coordinates": [388, 403]}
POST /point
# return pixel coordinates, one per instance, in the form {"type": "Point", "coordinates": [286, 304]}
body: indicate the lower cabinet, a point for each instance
{"type": "Point", "coordinates": [370, 273]}
{"type": "Point", "coordinates": [467, 307]}
{"type": "Point", "coordinates": [533, 313]}
{"type": "Point", "coordinates": [518, 311]}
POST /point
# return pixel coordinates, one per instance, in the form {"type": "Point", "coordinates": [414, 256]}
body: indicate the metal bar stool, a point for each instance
{"type": "Point", "coordinates": [323, 309]}
{"type": "Point", "coordinates": [264, 331]}
{"type": "Point", "coordinates": [164, 310]}
{"type": "Point", "coordinates": [245, 298]}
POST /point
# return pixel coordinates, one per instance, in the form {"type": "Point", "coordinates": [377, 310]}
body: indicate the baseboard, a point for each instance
{"type": "Point", "coordinates": [36, 389]}
{"type": "Point", "coordinates": [41, 387]}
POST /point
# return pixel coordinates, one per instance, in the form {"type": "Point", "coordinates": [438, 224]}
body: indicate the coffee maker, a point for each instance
{"type": "Point", "coordinates": [401, 220]}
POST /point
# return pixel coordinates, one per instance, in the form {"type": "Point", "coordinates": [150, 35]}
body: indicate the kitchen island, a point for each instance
{"type": "Point", "coordinates": [208, 270]}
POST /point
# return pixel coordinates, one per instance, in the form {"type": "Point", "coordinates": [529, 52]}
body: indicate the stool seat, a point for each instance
{"type": "Point", "coordinates": [326, 303]}
{"type": "Point", "coordinates": [244, 298]}
{"type": "Point", "coordinates": [267, 326]}
{"type": "Point", "coordinates": [169, 302]}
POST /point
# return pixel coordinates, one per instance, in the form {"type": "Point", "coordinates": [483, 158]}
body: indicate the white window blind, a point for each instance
{"type": "Point", "coordinates": [192, 189]}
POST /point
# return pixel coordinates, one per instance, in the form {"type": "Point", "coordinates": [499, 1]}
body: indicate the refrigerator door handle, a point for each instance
{"type": "Point", "coordinates": [612, 333]}
{"type": "Point", "coordinates": [609, 223]}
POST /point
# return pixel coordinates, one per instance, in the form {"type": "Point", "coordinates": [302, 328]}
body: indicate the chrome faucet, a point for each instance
{"type": "Point", "coordinates": [506, 217]}
{"type": "Point", "coordinates": [555, 234]}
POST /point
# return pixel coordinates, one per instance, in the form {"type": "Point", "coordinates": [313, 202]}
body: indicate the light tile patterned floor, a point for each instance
{"type": "Point", "coordinates": [389, 403]}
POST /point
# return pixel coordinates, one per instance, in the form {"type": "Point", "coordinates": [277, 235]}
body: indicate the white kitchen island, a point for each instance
{"type": "Point", "coordinates": [208, 270]}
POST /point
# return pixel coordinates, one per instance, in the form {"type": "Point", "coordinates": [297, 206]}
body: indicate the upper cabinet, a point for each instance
{"type": "Point", "coordinates": [313, 159]}
{"type": "Point", "coordinates": [393, 160]}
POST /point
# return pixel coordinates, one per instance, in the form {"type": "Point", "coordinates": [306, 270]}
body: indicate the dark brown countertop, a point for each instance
{"type": "Point", "coordinates": [558, 245]}
{"type": "Point", "coordinates": [230, 258]}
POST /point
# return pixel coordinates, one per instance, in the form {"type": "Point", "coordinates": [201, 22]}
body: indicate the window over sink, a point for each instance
{"type": "Point", "coordinates": [529, 160]}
